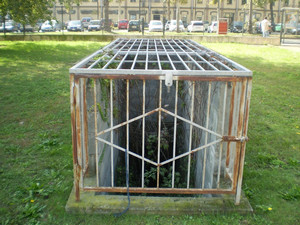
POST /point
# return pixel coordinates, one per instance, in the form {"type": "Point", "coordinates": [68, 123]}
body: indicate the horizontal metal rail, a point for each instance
{"type": "Point", "coordinates": [160, 190]}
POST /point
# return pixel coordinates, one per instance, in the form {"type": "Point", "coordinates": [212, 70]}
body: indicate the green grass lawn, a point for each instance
{"type": "Point", "coordinates": [36, 174]}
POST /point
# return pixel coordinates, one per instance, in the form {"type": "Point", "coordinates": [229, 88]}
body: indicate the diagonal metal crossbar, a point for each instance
{"type": "Point", "coordinates": [166, 161]}
{"type": "Point", "coordinates": [177, 109]}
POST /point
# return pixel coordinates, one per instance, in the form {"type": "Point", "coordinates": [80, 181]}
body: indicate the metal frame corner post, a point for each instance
{"type": "Point", "coordinates": [243, 144]}
{"type": "Point", "coordinates": [75, 142]}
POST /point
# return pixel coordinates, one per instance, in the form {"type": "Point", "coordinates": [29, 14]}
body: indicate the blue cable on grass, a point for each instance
{"type": "Point", "coordinates": [127, 184]}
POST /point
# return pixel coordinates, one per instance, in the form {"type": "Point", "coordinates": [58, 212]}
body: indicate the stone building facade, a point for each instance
{"type": "Point", "coordinates": [233, 10]}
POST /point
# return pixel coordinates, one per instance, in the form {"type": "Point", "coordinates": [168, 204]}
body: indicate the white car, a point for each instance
{"type": "Point", "coordinates": [167, 25]}
{"type": "Point", "coordinates": [173, 26]}
{"type": "Point", "coordinates": [50, 26]}
{"type": "Point", "coordinates": [75, 25]}
{"type": "Point", "coordinates": [155, 25]}
{"type": "Point", "coordinates": [213, 27]}
{"type": "Point", "coordinates": [94, 25]}
{"type": "Point", "coordinates": [195, 26]}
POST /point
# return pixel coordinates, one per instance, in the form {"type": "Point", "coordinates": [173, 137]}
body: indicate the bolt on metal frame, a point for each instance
{"type": "Point", "coordinates": [171, 61]}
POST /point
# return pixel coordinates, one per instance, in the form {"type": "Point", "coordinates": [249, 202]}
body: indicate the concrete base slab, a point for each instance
{"type": "Point", "coordinates": [110, 204]}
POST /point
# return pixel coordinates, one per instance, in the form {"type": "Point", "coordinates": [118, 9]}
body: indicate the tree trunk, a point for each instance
{"type": "Point", "coordinates": [4, 31]}
{"type": "Point", "coordinates": [177, 16]}
{"type": "Point", "coordinates": [169, 8]}
{"type": "Point", "coordinates": [106, 22]}
{"type": "Point", "coordinates": [119, 11]}
{"type": "Point", "coordinates": [23, 29]}
{"type": "Point", "coordinates": [250, 18]}
{"type": "Point", "coordinates": [195, 9]}
{"type": "Point", "coordinates": [272, 14]}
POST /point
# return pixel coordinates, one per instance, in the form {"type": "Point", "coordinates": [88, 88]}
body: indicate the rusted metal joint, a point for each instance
{"type": "Point", "coordinates": [235, 139]}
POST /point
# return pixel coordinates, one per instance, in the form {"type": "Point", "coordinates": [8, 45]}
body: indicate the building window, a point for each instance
{"type": "Point", "coordinates": [132, 0]}
{"type": "Point", "coordinates": [156, 17]}
{"type": "Point", "coordinates": [286, 3]}
{"type": "Point", "coordinates": [244, 2]}
{"type": "Point", "coordinates": [132, 17]}
{"type": "Point", "coordinates": [229, 2]}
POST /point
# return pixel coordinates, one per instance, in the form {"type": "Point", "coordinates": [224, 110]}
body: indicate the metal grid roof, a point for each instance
{"type": "Point", "coordinates": [158, 57]}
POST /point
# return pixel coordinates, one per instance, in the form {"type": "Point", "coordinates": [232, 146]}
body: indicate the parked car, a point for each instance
{"type": "Point", "coordinates": [185, 24]}
{"type": "Point", "coordinates": [94, 25]}
{"type": "Point", "coordinates": [277, 27]}
{"type": "Point", "coordinates": [167, 25]}
{"type": "Point", "coordinates": [195, 26]}
{"type": "Point", "coordinates": [10, 26]}
{"type": "Point", "coordinates": [28, 28]}
{"type": "Point", "coordinates": [237, 27]}
{"type": "Point", "coordinates": [206, 24]}
{"type": "Point", "coordinates": [86, 21]}
{"type": "Point", "coordinates": [133, 25]}
{"type": "Point", "coordinates": [75, 25]}
{"type": "Point", "coordinates": [52, 25]}
{"type": "Point", "coordinates": [110, 22]}
{"type": "Point", "coordinates": [296, 31]}
{"type": "Point", "coordinates": [123, 24]}
{"type": "Point", "coordinates": [173, 26]}
{"type": "Point", "coordinates": [155, 25]}
{"type": "Point", "coordinates": [213, 27]}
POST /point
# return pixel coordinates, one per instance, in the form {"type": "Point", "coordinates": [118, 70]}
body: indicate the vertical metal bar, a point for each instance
{"type": "Point", "coordinates": [74, 136]}
{"type": "Point", "coordinates": [143, 134]}
{"type": "Point", "coordinates": [175, 134]}
{"type": "Point", "coordinates": [127, 125]}
{"type": "Point", "coordinates": [159, 132]}
{"type": "Point", "coordinates": [191, 134]}
{"type": "Point", "coordinates": [86, 164]}
{"type": "Point", "coordinates": [230, 123]}
{"type": "Point", "coordinates": [78, 132]}
{"type": "Point", "coordinates": [239, 133]}
{"type": "Point", "coordinates": [222, 132]}
{"type": "Point", "coordinates": [111, 133]}
{"type": "Point", "coordinates": [243, 147]}
{"type": "Point", "coordinates": [96, 131]}
{"type": "Point", "coordinates": [206, 134]}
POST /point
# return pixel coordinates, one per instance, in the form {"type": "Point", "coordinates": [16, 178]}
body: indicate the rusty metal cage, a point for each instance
{"type": "Point", "coordinates": [177, 109]}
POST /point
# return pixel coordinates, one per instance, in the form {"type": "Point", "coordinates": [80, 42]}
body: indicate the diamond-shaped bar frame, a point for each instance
{"type": "Point", "coordinates": [166, 161]}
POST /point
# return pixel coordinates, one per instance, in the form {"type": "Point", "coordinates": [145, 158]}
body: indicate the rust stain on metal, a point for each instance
{"type": "Point", "coordinates": [243, 145]}
{"type": "Point", "coordinates": [74, 137]}
{"type": "Point", "coordinates": [160, 190]}
{"type": "Point", "coordinates": [239, 133]}
{"type": "Point", "coordinates": [230, 123]}
{"type": "Point", "coordinates": [161, 77]}
{"type": "Point", "coordinates": [234, 139]}
{"type": "Point", "coordinates": [85, 120]}
{"type": "Point", "coordinates": [208, 78]}
{"type": "Point", "coordinates": [120, 76]}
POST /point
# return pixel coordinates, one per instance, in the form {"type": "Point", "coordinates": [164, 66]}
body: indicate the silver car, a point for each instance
{"type": "Point", "coordinates": [94, 25]}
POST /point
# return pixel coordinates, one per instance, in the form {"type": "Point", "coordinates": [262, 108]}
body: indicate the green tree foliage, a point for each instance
{"type": "Point", "coordinates": [68, 4]}
{"type": "Point", "coordinates": [29, 11]}
{"type": "Point", "coordinates": [263, 3]}
{"type": "Point", "coordinates": [3, 11]}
